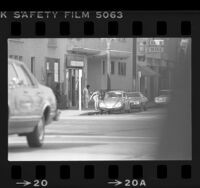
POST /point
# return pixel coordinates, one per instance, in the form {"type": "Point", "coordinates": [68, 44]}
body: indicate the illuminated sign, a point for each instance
{"type": "Point", "coordinates": [76, 63]}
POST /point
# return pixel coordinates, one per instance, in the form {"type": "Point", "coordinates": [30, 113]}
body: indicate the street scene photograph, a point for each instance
{"type": "Point", "coordinates": [99, 99]}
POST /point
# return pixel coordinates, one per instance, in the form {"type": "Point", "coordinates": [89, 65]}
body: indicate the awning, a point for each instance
{"type": "Point", "coordinates": [84, 51]}
{"type": "Point", "coordinates": [100, 53]}
{"type": "Point", "coordinates": [147, 71]}
{"type": "Point", "coordinates": [117, 54]}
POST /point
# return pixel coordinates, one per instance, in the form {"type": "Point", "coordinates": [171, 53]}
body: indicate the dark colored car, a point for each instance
{"type": "Point", "coordinates": [31, 106]}
{"type": "Point", "coordinates": [137, 100]}
{"type": "Point", "coordinates": [114, 101]}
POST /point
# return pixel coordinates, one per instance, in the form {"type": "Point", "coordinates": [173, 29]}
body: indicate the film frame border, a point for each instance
{"type": "Point", "coordinates": [137, 27]}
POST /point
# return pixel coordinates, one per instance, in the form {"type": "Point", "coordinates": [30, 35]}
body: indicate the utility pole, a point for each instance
{"type": "Point", "coordinates": [134, 63]}
{"type": "Point", "coordinates": [108, 56]}
{"type": "Point", "coordinates": [108, 43]}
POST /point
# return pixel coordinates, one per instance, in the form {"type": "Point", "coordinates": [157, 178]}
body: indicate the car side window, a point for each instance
{"type": "Point", "coordinates": [12, 75]}
{"type": "Point", "coordinates": [23, 75]}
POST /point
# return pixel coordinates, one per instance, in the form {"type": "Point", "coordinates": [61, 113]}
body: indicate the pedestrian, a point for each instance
{"type": "Point", "coordinates": [95, 96]}
{"type": "Point", "coordinates": [57, 93]}
{"type": "Point", "coordinates": [86, 95]}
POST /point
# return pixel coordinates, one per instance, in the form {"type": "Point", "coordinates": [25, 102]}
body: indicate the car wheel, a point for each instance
{"type": "Point", "coordinates": [128, 110]}
{"type": "Point", "coordinates": [36, 138]}
{"type": "Point", "coordinates": [123, 110]}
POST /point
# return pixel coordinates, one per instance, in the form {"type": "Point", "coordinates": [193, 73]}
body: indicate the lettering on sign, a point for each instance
{"type": "Point", "coordinates": [76, 63]}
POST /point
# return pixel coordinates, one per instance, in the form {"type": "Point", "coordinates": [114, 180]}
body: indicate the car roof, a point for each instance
{"type": "Point", "coordinates": [165, 90]}
{"type": "Point", "coordinates": [117, 91]}
{"type": "Point", "coordinates": [133, 92]}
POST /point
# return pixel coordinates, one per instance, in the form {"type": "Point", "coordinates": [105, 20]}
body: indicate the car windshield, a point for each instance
{"type": "Point", "coordinates": [133, 94]}
{"type": "Point", "coordinates": [164, 92]}
{"type": "Point", "coordinates": [113, 95]}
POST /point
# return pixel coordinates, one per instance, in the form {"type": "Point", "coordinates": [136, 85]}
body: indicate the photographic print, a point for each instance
{"type": "Point", "coordinates": [99, 99]}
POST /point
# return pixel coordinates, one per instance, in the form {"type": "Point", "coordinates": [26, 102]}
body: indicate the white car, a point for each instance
{"type": "Point", "coordinates": [31, 106]}
{"type": "Point", "coordinates": [163, 98]}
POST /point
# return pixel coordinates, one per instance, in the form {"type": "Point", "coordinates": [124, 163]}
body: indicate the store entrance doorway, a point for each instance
{"type": "Point", "coordinates": [73, 87]}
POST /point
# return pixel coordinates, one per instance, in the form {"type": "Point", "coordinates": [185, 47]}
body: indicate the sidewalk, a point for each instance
{"type": "Point", "coordinates": [70, 112]}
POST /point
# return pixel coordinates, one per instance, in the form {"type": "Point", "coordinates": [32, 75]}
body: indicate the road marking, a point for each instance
{"type": "Point", "coordinates": [86, 142]}
{"type": "Point", "coordinates": [90, 139]}
{"type": "Point", "coordinates": [91, 136]}
{"type": "Point", "coordinates": [128, 117]}
{"type": "Point", "coordinates": [110, 137]}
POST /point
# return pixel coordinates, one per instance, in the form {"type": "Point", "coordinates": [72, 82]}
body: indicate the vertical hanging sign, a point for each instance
{"type": "Point", "coordinates": [55, 72]}
{"type": "Point", "coordinates": [134, 57]}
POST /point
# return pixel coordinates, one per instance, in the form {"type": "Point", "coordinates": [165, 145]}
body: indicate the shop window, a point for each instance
{"type": "Point", "coordinates": [141, 58]}
{"type": "Point", "coordinates": [112, 67]}
{"type": "Point", "coordinates": [20, 58]}
{"type": "Point", "coordinates": [33, 65]}
{"type": "Point", "coordinates": [17, 57]}
{"type": "Point", "coordinates": [122, 68]}
{"type": "Point", "coordinates": [103, 65]}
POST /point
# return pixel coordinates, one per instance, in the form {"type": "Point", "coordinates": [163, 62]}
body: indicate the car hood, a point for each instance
{"type": "Point", "coordinates": [163, 96]}
{"type": "Point", "coordinates": [45, 88]}
{"type": "Point", "coordinates": [134, 98]}
{"type": "Point", "coordinates": [111, 101]}
{"type": "Point", "coordinates": [48, 94]}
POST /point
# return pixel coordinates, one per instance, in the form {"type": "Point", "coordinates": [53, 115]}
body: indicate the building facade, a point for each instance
{"type": "Point", "coordinates": [56, 63]}
{"type": "Point", "coordinates": [160, 55]}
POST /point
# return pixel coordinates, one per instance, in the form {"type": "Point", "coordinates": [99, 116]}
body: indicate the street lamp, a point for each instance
{"type": "Point", "coordinates": [108, 43]}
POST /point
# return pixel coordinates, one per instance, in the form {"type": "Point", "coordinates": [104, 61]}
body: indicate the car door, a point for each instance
{"type": "Point", "coordinates": [143, 98]}
{"type": "Point", "coordinates": [126, 101]}
{"type": "Point", "coordinates": [15, 95]}
{"type": "Point", "coordinates": [38, 95]}
{"type": "Point", "coordinates": [32, 100]}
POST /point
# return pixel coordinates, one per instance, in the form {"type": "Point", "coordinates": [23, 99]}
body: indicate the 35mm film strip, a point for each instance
{"type": "Point", "coordinates": [99, 98]}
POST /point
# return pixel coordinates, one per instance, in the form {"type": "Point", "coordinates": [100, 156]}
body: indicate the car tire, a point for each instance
{"type": "Point", "coordinates": [123, 110]}
{"type": "Point", "coordinates": [36, 138]}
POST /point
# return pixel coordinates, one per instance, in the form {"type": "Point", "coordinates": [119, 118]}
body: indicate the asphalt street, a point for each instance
{"type": "Point", "coordinates": [130, 136]}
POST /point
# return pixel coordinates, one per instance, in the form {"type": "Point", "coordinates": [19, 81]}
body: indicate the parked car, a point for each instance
{"type": "Point", "coordinates": [114, 101]}
{"type": "Point", "coordinates": [137, 100]}
{"type": "Point", "coordinates": [163, 98]}
{"type": "Point", "coordinates": [31, 106]}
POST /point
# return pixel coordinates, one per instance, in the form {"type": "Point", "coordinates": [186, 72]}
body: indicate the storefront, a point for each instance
{"type": "Point", "coordinates": [74, 79]}
{"type": "Point", "coordinates": [146, 81]}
